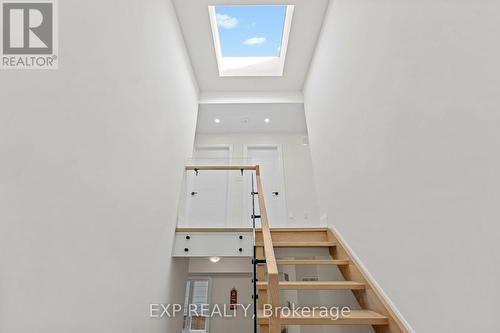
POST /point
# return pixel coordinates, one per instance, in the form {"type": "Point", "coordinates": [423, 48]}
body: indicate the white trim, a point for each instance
{"type": "Point", "coordinates": [250, 97]}
{"type": "Point", "coordinates": [286, 32]}
{"type": "Point", "coordinates": [214, 146]}
{"type": "Point", "coordinates": [372, 280]}
{"type": "Point", "coordinates": [215, 34]}
{"type": "Point", "coordinates": [251, 66]}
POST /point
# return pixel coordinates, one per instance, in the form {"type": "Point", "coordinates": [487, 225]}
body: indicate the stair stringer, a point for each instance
{"type": "Point", "coordinates": [372, 298]}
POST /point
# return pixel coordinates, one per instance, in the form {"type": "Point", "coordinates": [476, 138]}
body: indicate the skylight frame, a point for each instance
{"type": "Point", "coordinates": [251, 66]}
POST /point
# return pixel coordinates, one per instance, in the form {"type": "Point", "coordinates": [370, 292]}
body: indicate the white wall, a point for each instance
{"type": "Point", "coordinates": [299, 181]}
{"type": "Point", "coordinates": [90, 175]}
{"type": "Point", "coordinates": [402, 106]}
{"type": "Point", "coordinates": [220, 294]}
{"type": "Point", "coordinates": [228, 273]}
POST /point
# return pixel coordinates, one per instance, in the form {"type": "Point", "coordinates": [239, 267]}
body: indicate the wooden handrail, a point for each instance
{"type": "Point", "coordinates": [272, 267]}
{"type": "Point", "coordinates": [273, 290]}
{"type": "Point", "coordinates": [220, 167]}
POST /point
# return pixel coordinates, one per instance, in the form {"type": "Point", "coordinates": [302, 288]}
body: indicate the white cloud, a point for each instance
{"type": "Point", "coordinates": [226, 21]}
{"type": "Point", "coordinates": [255, 41]}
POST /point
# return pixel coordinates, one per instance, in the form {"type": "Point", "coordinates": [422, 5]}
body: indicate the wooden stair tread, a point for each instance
{"type": "Point", "coordinates": [300, 244]}
{"type": "Point", "coordinates": [312, 262]}
{"type": "Point", "coordinates": [356, 317]}
{"type": "Point", "coordinates": [352, 285]}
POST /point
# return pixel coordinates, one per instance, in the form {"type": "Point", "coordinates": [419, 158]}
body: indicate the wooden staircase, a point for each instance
{"type": "Point", "coordinates": [356, 317]}
{"type": "Point", "coordinates": [375, 310]}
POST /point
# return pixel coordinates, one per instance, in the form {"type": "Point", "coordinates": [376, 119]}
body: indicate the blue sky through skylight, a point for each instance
{"type": "Point", "coordinates": [250, 31]}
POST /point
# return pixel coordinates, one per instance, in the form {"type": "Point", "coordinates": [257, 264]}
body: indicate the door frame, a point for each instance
{"type": "Point", "coordinates": [214, 145]}
{"type": "Point", "coordinates": [209, 301]}
{"type": "Point", "coordinates": [281, 167]}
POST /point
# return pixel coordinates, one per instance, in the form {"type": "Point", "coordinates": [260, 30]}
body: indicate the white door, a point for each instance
{"type": "Point", "coordinates": [269, 157]}
{"type": "Point", "coordinates": [207, 193]}
{"type": "Point", "coordinates": [197, 293]}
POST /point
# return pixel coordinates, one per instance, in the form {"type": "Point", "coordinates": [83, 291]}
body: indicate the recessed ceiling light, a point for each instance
{"type": "Point", "coordinates": [215, 259]}
{"type": "Point", "coordinates": [216, 120]}
{"type": "Point", "coordinates": [267, 120]}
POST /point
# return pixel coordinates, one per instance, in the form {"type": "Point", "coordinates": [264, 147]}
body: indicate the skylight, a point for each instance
{"type": "Point", "coordinates": [250, 31]}
{"type": "Point", "coordinates": [251, 40]}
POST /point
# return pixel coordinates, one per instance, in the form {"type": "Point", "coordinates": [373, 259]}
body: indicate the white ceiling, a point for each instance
{"type": "Point", "coordinates": [249, 118]}
{"type": "Point", "coordinates": [306, 25]}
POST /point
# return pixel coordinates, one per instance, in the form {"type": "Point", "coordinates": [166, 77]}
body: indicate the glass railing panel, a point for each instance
{"type": "Point", "coordinates": [216, 198]}
{"type": "Point", "coordinates": [225, 197]}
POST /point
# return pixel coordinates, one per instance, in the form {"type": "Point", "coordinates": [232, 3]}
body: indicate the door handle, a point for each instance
{"type": "Point", "coordinates": [194, 193]}
{"type": "Point", "coordinates": [276, 193]}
